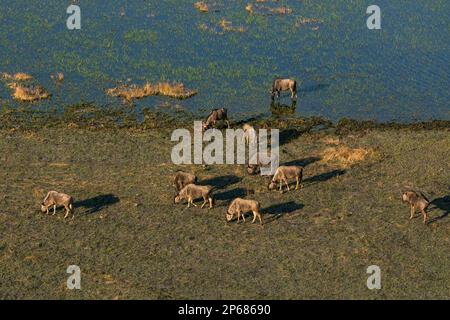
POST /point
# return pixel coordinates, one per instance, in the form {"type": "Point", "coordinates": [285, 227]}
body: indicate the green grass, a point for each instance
{"type": "Point", "coordinates": [131, 241]}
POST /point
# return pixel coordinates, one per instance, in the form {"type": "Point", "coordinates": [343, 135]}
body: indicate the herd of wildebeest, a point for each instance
{"type": "Point", "coordinates": [187, 188]}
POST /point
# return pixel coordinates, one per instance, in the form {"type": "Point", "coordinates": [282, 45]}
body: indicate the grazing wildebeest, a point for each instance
{"type": "Point", "coordinates": [416, 200]}
{"type": "Point", "coordinates": [286, 172]}
{"type": "Point", "coordinates": [279, 85]}
{"type": "Point", "coordinates": [214, 116]}
{"type": "Point", "coordinates": [192, 192]}
{"type": "Point", "coordinates": [249, 133]}
{"type": "Point", "coordinates": [182, 179]}
{"type": "Point", "coordinates": [240, 206]}
{"type": "Point", "coordinates": [55, 199]}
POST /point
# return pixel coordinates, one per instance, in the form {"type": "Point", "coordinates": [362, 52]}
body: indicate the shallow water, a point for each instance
{"type": "Point", "coordinates": [398, 73]}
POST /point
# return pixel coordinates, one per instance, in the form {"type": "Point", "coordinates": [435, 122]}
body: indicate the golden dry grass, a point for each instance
{"type": "Point", "coordinates": [28, 94]}
{"type": "Point", "coordinates": [250, 8]}
{"type": "Point", "coordinates": [201, 6]}
{"type": "Point", "coordinates": [20, 76]}
{"type": "Point", "coordinates": [228, 26]}
{"type": "Point", "coordinates": [130, 92]}
{"type": "Point", "coordinates": [346, 156]}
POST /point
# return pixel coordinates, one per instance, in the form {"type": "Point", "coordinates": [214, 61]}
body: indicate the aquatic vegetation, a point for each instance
{"type": "Point", "coordinates": [222, 27]}
{"type": "Point", "coordinates": [172, 90]}
{"type": "Point", "coordinates": [20, 76]}
{"type": "Point", "coordinates": [58, 77]}
{"type": "Point", "coordinates": [28, 94]}
{"type": "Point", "coordinates": [24, 92]}
{"type": "Point", "coordinates": [201, 6]}
{"type": "Point", "coordinates": [266, 10]}
{"type": "Point", "coordinates": [312, 23]}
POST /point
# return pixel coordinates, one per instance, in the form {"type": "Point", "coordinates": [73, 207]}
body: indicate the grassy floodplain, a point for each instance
{"type": "Point", "coordinates": [131, 241]}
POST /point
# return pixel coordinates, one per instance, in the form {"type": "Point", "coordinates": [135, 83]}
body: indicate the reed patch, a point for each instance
{"type": "Point", "coordinates": [131, 92]}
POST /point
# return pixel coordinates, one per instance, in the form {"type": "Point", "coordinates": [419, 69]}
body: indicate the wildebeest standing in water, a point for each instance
{"type": "Point", "coordinates": [279, 85]}
{"type": "Point", "coordinates": [214, 116]}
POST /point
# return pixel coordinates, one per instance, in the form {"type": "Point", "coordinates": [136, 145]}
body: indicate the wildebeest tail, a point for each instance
{"type": "Point", "coordinates": [295, 86]}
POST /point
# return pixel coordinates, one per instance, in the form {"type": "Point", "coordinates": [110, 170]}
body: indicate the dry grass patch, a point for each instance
{"type": "Point", "coordinates": [130, 92]}
{"type": "Point", "coordinates": [264, 10]}
{"type": "Point", "coordinates": [346, 156]}
{"type": "Point", "coordinates": [22, 92]}
{"type": "Point", "coordinates": [228, 26]}
{"type": "Point", "coordinates": [20, 76]}
{"type": "Point", "coordinates": [201, 6]}
{"type": "Point", "coordinates": [28, 94]}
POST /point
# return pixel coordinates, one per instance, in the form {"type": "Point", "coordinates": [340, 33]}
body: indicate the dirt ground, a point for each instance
{"type": "Point", "coordinates": [131, 241]}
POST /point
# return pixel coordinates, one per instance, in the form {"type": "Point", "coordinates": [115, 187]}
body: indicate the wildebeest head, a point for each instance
{"type": "Point", "coordinates": [205, 126]}
{"type": "Point", "coordinates": [272, 185]}
{"type": "Point", "coordinates": [229, 215]}
{"type": "Point", "coordinates": [43, 207]}
{"type": "Point", "coordinates": [177, 199]}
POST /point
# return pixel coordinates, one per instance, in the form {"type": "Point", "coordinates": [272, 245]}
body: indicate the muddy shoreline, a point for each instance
{"type": "Point", "coordinates": [89, 116]}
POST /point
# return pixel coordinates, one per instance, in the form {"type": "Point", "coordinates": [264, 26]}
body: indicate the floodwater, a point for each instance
{"type": "Point", "coordinates": [399, 73]}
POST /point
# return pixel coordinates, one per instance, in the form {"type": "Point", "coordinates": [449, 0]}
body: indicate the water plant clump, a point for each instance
{"type": "Point", "coordinates": [131, 92]}
{"type": "Point", "coordinates": [22, 90]}
{"type": "Point", "coordinates": [266, 10]}
{"type": "Point", "coordinates": [201, 6]}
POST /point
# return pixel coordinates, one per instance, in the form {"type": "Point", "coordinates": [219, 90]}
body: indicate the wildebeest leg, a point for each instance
{"type": "Point", "coordinates": [210, 202]}
{"type": "Point", "coordinates": [239, 216]}
{"type": "Point", "coordinates": [228, 123]}
{"type": "Point", "coordinates": [287, 184]}
{"type": "Point", "coordinates": [47, 211]}
{"type": "Point", "coordinates": [243, 215]}
{"type": "Point", "coordinates": [260, 219]}
{"type": "Point", "coordinates": [254, 216]}
{"type": "Point", "coordinates": [298, 183]}
{"type": "Point", "coordinates": [281, 189]}
{"type": "Point", "coordinates": [412, 212]}
{"type": "Point", "coordinates": [205, 201]}
{"type": "Point", "coordinates": [425, 218]}
{"type": "Point", "coordinates": [192, 202]}
{"type": "Point", "coordinates": [54, 209]}
{"type": "Point", "coordinates": [67, 212]}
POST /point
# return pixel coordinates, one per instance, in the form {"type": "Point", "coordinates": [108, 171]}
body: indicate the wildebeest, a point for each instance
{"type": "Point", "coordinates": [182, 179]}
{"type": "Point", "coordinates": [279, 85]}
{"type": "Point", "coordinates": [192, 192]}
{"type": "Point", "coordinates": [416, 200]}
{"type": "Point", "coordinates": [214, 116]}
{"type": "Point", "coordinates": [286, 172]}
{"type": "Point", "coordinates": [240, 206]}
{"type": "Point", "coordinates": [55, 199]}
{"type": "Point", "coordinates": [249, 133]}
{"type": "Point", "coordinates": [253, 169]}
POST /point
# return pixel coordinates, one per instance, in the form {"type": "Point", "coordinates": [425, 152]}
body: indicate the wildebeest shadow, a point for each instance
{"type": "Point", "coordinates": [443, 204]}
{"type": "Point", "coordinates": [324, 176]}
{"type": "Point", "coordinates": [288, 135]}
{"type": "Point", "coordinates": [96, 203]}
{"type": "Point", "coordinates": [222, 181]}
{"type": "Point", "coordinates": [278, 210]}
{"type": "Point", "coordinates": [302, 162]}
{"type": "Point", "coordinates": [230, 194]}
